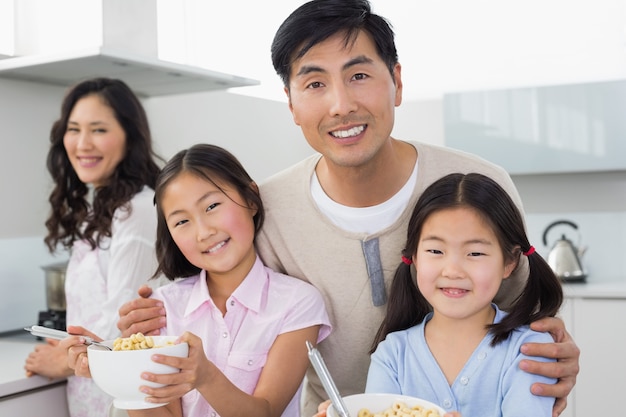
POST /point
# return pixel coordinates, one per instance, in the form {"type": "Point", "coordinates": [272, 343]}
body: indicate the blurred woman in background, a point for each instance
{"type": "Point", "coordinates": [104, 171]}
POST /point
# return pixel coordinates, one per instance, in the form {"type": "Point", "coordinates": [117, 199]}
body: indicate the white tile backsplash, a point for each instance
{"type": "Point", "coordinates": [22, 281]}
{"type": "Point", "coordinates": [602, 233]}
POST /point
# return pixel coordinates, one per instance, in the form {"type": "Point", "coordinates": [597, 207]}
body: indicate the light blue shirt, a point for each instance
{"type": "Point", "coordinates": [489, 385]}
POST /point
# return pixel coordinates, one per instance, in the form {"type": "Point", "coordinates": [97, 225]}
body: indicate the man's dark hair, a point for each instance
{"type": "Point", "coordinates": [318, 20]}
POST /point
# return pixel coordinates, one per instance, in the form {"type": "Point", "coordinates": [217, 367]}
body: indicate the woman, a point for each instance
{"type": "Point", "coordinates": [104, 172]}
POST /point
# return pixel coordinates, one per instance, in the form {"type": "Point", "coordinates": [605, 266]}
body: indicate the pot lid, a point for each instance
{"type": "Point", "coordinates": [57, 266]}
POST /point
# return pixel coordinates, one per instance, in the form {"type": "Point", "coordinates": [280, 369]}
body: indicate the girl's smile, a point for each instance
{"type": "Point", "coordinates": [453, 292]}
{"type": "Point", "coordinates": [217, 247]}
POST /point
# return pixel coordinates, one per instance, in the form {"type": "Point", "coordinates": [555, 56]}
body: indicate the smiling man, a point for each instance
{"type": "Point", "coordinates": [338, 219]}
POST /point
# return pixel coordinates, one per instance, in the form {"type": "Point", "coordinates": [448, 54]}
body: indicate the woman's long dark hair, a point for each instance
{"type": "Point", "coordinates": [542, 295]}
{"type": "Point", "coordinates": [211, 163]}
{"type": "Point", "coordinates": [70, 209]}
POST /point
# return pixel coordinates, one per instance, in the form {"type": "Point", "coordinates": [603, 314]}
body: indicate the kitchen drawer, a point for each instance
{"type": "Point", "coordinates": [599, 333]}
{"type": "Point", "coordinates": [50, 401]}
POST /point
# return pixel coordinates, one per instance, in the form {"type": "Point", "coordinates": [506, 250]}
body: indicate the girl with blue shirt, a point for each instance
{"type": "Point", "coordinates": [245, 324]}
{"type": "Point", "coordinates": [443, 339]}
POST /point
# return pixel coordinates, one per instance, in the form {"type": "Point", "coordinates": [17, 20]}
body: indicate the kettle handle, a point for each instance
{"type": "Point", "coordinates": [545, 233]}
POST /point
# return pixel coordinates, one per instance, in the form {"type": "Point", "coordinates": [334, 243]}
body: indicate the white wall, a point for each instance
{"type": "Point", "coordinates": [27, 111]}
{"type": "Point", "coordinates": [420, 120]}
{"type": "Point", "coordinates": [444, 45]}
{"type": "Point", "coordinates": [259, 132]}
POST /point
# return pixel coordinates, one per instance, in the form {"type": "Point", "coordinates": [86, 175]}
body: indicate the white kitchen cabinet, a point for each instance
{"type": "Point", "coordinates": [567, 314]}
{"type": "Point", "coordinates": [600, 334]}
{"type": "Point", "coordinates": [50, 402]}
{"type": "Point", "coordinates": [593, 314]}
{"type": "Point", "coordinates": [541, 130]}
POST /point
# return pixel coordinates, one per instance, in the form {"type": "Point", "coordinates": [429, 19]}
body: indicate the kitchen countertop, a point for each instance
{"type": "Point", "coordinates": [15, 347]}
{"type": "Point", "coordinates": [608, 289]}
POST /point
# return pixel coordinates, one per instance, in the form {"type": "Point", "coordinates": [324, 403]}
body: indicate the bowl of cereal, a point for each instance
{"type": "Point", "coordinates": [118, 372]}
{"type": "Point", "coordinates": [370, 405]}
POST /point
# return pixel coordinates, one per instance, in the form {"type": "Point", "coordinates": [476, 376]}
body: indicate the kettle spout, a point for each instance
{"type": "Point", "coordinates": [581, 251]}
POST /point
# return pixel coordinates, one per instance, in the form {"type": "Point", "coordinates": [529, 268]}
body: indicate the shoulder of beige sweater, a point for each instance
{"type": "Point", "coordinates": [463, 161]}
{"type": "Point", "coordinates": [287, 173]}
{"type": "Point", "coordinates": [277, 185]}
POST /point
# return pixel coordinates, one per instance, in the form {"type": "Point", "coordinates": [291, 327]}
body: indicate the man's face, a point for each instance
{"type": "Point", "coordinates": [344, 98]}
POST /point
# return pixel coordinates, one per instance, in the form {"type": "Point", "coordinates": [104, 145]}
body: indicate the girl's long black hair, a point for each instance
{"type": "Point", "coordinates": [542, 296]}
{"type": "Point", "coordinates": [211, 163]}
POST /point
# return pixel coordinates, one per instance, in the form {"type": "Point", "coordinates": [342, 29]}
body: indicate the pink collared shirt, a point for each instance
{"type": "Point", "coordinates": [265, 305]}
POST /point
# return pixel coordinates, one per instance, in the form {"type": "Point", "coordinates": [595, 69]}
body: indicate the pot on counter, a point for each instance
{"type": "Point", "coordinates": [55, 286]}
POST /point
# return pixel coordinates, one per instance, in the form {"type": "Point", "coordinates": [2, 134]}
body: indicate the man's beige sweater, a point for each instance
{"type": "Point", "coordinates": [298, 240]}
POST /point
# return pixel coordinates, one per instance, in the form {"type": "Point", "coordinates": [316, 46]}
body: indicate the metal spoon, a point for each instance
{"type": "Point", "coordinates": [327, 381]}
{"type": "Point", "coordinates": [49, 333]}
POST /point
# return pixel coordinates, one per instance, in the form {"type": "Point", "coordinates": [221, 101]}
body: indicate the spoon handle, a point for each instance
{"type": "Point", "coordinates": [327, 380]}
{"type": "Point", "coordinates": [49, 333]}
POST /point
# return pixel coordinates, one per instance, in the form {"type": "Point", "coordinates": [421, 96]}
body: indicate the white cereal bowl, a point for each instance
{"type": "Point", "coordinates": [118, 373]}
{"type": "Point", "coordinates": [378, 403]}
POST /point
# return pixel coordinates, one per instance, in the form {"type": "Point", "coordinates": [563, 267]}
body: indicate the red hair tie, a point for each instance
{"type": "Point", "coordinates": [530, 251]}
{"type": "Point", "coordinates": [406, 260]}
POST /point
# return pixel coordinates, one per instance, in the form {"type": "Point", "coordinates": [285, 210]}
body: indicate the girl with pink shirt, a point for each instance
{"type": "Point", "coordinates": [245, 324]}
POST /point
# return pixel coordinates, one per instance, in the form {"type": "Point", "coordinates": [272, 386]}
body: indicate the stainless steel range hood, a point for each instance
{"type": "Point", "coordinates": [126, 47]}
{"type": "Point", "coordinates": [146, 76]}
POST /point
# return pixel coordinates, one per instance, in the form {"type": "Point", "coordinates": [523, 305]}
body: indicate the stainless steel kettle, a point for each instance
{"type": "Point", "coordinates": [564, 257]}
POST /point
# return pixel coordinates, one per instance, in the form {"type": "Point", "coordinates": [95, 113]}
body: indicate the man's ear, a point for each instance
{"type": "Point", "coordinates": [397, 80]}
{"type": "Point", "coordinates": [293, 113]}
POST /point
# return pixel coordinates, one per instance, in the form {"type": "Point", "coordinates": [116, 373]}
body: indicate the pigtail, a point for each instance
{"type": "Point", "coordinates": [542, 297]}
{"type": "Point", "coordinates": [406, 307]}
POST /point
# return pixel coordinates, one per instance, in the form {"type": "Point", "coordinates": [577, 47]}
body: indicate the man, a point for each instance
{"type": "Point", "coordinates": [338, 219]}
